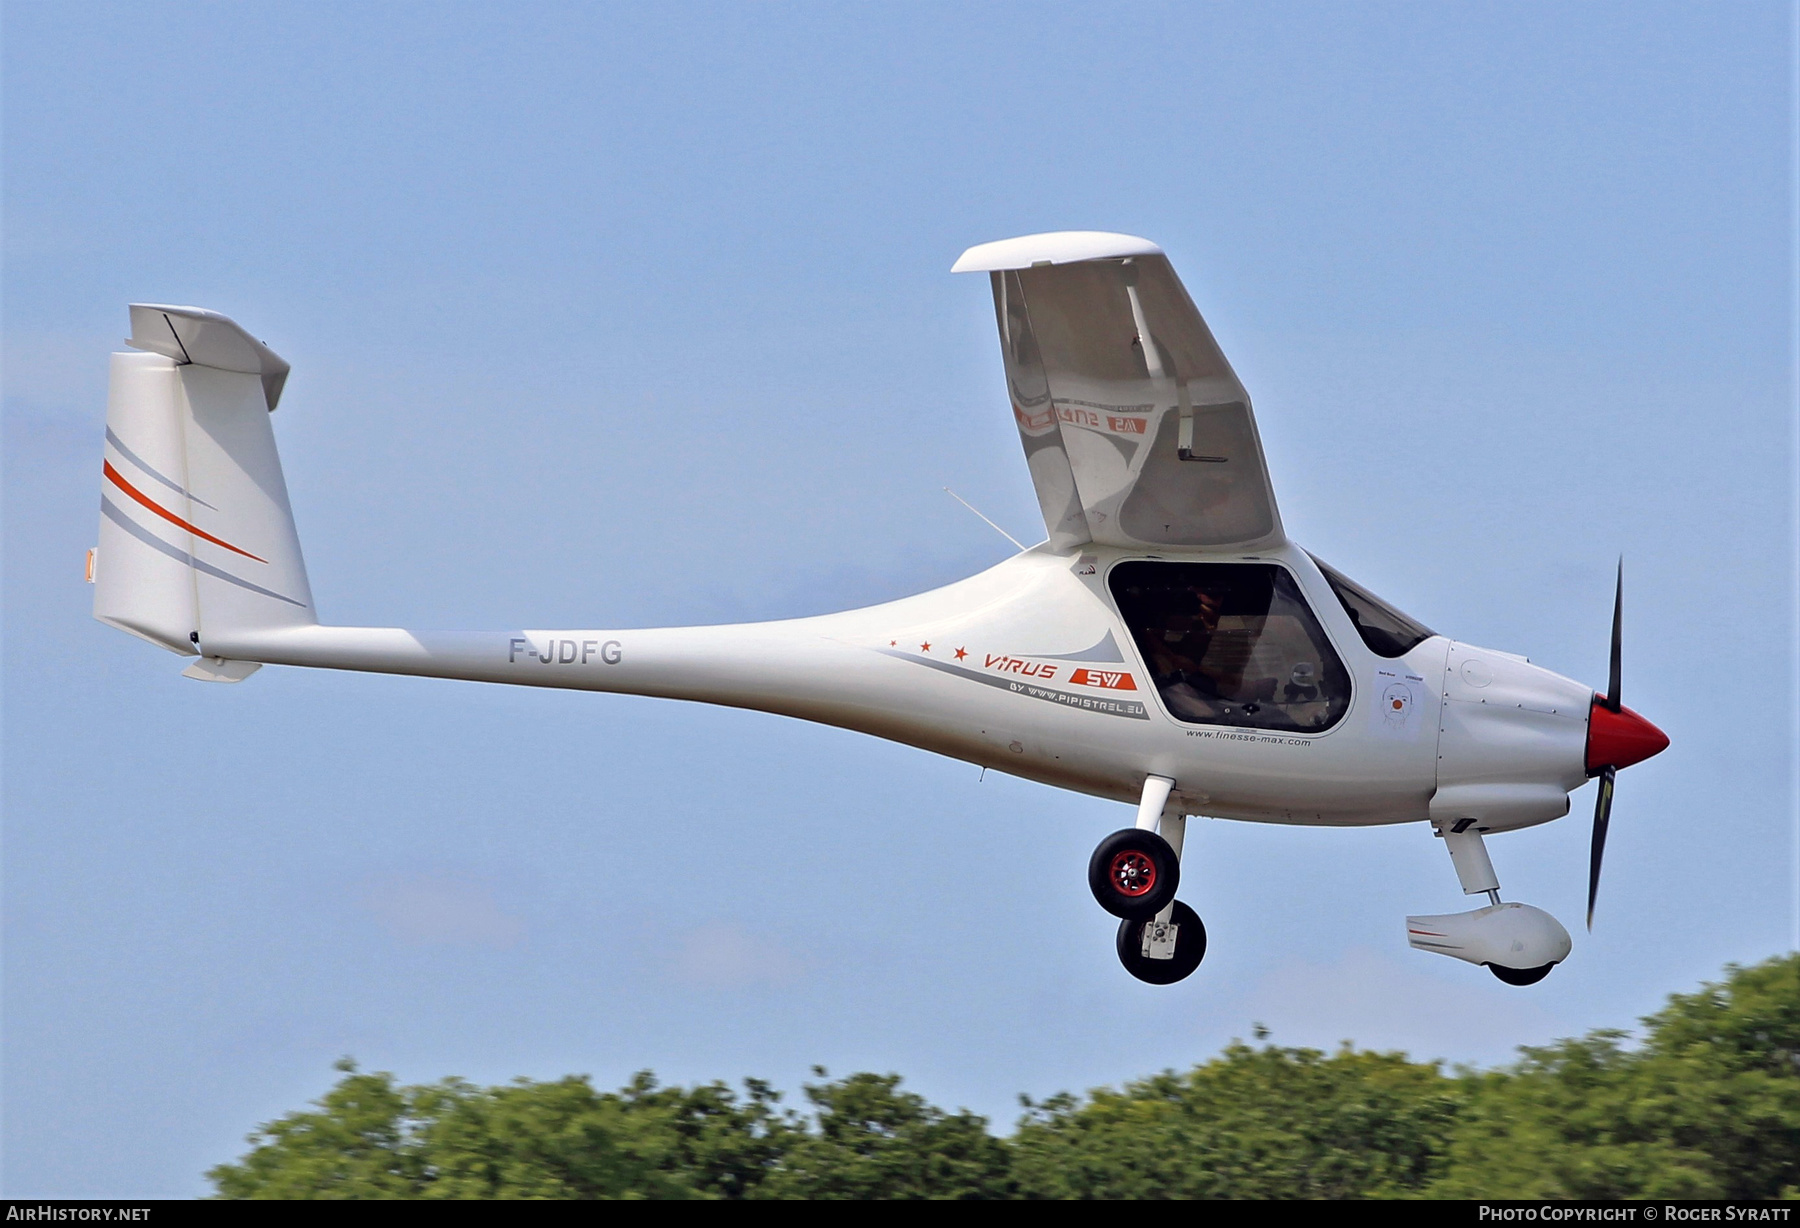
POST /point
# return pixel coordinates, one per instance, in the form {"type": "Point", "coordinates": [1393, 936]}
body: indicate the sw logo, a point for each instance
{"type": "Point", "coordinates": [1112, 680]}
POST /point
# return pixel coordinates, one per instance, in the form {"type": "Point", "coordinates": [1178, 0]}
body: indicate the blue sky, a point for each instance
{"type": "Point", "coordinates": [615, 316]}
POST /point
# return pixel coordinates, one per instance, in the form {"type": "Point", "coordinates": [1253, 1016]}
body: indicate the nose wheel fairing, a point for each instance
{"type": "Point", "coordinates": [1517, 943]}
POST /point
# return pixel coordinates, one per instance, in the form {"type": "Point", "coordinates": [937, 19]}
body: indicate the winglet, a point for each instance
{"type": "Point", "coordinates": [1057, 247]}
{"type": "Point", "coordinates": [206, 339]}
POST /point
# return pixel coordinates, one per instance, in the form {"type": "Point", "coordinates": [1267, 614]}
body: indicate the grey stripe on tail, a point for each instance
{"type": "Point", "coordinates": [137, 460]}
{"type": "Point", "coordinates": [111, 511]}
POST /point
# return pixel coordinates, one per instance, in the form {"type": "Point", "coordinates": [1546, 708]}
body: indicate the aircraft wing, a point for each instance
{"type": "Point", "coordinates": [1136, 430]}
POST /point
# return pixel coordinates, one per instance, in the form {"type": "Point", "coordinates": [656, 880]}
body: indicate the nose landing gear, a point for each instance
{"type": "Point", "coordinates": [1519, 944]}
{"type": "Point", "coordinates": [1134, 874]}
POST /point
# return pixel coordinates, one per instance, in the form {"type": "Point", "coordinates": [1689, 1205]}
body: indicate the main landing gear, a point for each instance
{"type": "Point", "coordinates": [1134, 874]}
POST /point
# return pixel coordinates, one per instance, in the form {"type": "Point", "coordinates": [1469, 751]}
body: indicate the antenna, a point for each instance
{"type": "Point", "coordinates": [990, 524]}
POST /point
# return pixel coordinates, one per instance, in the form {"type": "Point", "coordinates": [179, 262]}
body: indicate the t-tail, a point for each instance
{"type": "Point", "coordinates": [198, 554]}
{"type": "Point", "coordinates": [197, 540]}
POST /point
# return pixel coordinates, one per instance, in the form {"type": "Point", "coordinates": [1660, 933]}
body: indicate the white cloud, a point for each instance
{"type": "Point", "coordinates": [725, 955]}
{"type": "Point", "coordinates": [440, 908]}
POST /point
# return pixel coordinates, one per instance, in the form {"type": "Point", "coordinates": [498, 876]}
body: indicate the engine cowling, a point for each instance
{"type": "Point", "coordinates": [1511, 743]}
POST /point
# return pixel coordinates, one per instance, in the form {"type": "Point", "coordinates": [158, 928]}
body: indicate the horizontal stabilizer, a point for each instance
{"type": "Point", "coordinates": [206, 339]}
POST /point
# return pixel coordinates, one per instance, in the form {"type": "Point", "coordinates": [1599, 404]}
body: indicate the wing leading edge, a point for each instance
{"type": "Point", "coordinates": [1136, 429]}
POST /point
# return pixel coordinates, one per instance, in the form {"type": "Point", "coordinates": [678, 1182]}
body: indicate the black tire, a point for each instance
{"type": "Point", "coordinates": [1190, 948]}
{"type": "Point", "coordinates": [1134, 873]}
{"type": "Point", "coordinates": [1520, 976]}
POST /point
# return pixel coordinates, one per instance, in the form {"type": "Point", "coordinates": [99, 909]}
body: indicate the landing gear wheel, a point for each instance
{"type": "Point", "coordinates": [1520, 976]}
{"type": "Point", "coordinates": [1190, 947]}
{"type": "Point", "coordinates": [1134, 873]}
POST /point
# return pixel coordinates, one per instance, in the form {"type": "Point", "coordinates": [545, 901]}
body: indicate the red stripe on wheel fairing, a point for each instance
{"type": "Point", "coordinates": [112, 475]}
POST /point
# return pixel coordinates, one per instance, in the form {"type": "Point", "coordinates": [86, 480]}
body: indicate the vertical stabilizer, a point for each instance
{"type": "Point", "coordinates": [196, 535]}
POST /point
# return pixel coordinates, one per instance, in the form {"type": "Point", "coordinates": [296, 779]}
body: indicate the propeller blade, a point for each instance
{"type": "Point", "coordinates": [1602, 816]}
{"type": "Point", "coordinates": [1612, 676]}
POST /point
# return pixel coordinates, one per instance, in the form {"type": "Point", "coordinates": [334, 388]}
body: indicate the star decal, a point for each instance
{"type": "Point", "coordinates": [961, 653]}
{"type": "Point", "coordinates": [925, 647]}
{"type": "Point", "coordinates": [891, 643]}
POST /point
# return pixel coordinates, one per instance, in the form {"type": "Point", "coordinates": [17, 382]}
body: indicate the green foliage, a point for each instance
{"type": "Point", "coordinates": [369, 1139]}
{"type": "Point", "coordinates": [876, 1141]}
{"type": "Point", "coordinates": [353, 1147]}
{"type": "Point", "coordinates": [1707, 1105]}
{"type": "Point", "coordinates": [1251, 1123]}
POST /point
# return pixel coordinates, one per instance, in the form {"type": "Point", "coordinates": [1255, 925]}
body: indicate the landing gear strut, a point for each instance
{"type": "Point", "coordinates": [1134, 874]}
{"type": "Point", "coordinates": [1519, 944]}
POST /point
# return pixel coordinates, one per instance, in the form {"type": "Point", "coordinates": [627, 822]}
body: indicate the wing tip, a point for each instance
{"type": "Point", "coordinates": [1052, 247]}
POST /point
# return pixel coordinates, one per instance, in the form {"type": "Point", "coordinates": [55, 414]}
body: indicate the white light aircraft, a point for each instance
{"type": "Point", "coordinates": [1166, 645]}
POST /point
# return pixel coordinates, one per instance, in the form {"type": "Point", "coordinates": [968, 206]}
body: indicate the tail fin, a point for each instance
{"type": "Point", "coordinates": [196, 536]}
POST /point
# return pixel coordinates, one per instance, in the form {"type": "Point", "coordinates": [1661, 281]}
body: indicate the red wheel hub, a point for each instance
{"type": "Point", "coordinates": [1133, 873]}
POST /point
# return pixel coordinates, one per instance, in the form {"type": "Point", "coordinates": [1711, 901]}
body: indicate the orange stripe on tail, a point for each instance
{"type": "Point", "coordinates": [112, 475]}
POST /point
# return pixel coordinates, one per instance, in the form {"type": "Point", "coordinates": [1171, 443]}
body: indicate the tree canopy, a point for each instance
{"type": "Point", "coordinates": [1706, 1104]}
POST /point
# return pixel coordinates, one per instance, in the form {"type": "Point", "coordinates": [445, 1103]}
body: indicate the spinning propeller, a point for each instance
{"type": "Point", "coordinates": [1617, 738]}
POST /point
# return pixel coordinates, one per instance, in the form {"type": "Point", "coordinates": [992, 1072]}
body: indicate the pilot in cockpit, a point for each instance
{"type": "Point", "coordinates": [1176, 646]}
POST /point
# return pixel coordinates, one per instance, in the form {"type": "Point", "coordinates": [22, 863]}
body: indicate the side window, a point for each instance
{"type": "Point", "coordinates": [1386, 631]}
{"type": "Point", "coordinates": [1232, 644]}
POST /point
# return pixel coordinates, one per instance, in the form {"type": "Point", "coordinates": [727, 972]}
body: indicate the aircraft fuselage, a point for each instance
{"type": "Point", "coordinates": [1029, 668]}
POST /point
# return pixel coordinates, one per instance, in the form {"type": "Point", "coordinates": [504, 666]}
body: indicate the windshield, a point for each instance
{"type": "Point", "coordinates": [1232, 644]}
{"type": "Point", "coordinates": [1386, 631]}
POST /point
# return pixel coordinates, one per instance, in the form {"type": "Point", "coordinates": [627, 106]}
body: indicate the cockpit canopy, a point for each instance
{"type": "Point", "coordinates": [1386, 631]}
{"type": "Point", "coordinates": [1232, 644]}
